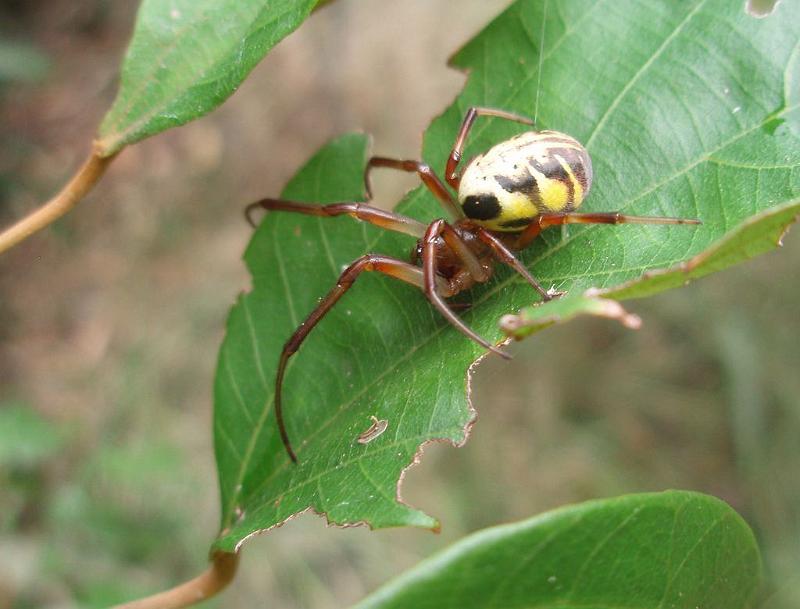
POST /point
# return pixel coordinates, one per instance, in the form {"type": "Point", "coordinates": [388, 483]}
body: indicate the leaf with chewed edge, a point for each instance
{"type": "Point", "coordinates": [697, 117]}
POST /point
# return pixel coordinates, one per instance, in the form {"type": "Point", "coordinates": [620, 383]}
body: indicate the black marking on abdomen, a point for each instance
{"type": "Point", "coordinates": [579, 171]}
{"type": "Point", "coordinates": [555, 171]}
{"type": "Point", "coordinates": [525, 184]}
{"type": "Point", "coordinates": [481, 207]}
{"type": "Point", "coordinates": [517, 222]}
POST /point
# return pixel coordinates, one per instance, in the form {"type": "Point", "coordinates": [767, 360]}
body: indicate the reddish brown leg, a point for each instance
{"type": "Point", "coordinates": [612, 217]}
{"type": "Point", "coordinates": [472, 265]}
{"type": "Point", "coordinates": [370, 262]}
{"type": "Point", "coordinates": [434, 231]}
{"type": "Point", "coordinates": [504, 254]}
{"type": "Point", "coordinates": [367, 213]}
{"type": "Point", "coordinates": [450, 173]}
{"type": "Point", "coordinates": [426, 174]}
{"type": "Point", "coordinates": [530, 233]}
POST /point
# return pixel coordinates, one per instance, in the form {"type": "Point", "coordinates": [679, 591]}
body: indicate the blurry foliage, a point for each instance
{"type": "Point", "coordinates": [86, 507]}
{"type": "Point", "coordinates": [26, 438]}
{"type": "Point", "coordinates": [21, 62]}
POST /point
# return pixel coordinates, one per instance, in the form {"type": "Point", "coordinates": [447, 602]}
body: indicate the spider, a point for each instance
{"type": "Point", "coordinates": [504, 199]}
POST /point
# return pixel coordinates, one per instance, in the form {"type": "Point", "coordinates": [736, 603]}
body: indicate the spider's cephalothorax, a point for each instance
{"type": "Point", "coordinates": [505, 197]}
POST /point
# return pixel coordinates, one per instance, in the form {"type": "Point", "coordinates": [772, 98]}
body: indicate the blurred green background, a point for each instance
{"type": "Point", "coordinates": [110, 323]}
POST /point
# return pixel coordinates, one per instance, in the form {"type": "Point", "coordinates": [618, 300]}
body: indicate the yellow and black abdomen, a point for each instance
{"type": "Point", "coordinates": [530, 174]}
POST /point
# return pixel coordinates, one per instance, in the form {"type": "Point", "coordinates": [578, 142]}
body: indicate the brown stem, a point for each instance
{"type": "Point", "coordinates": [212, 581]}
{"type": "Point", "coordinates": [80, 184]}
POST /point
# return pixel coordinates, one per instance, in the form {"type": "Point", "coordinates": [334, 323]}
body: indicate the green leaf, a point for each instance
{"type": "Point", "coordinates": [532, 319]}
{"type": "Point", "coordinates": [756, 235]}
{"type": "Point", "coordinates": [260, 487]}
{"type": "Point", "coordinates": [688, 109]}
{"type": "Point", "coordinates": [187, 57]}
{"type": "Point", "coordinates": [673, 549]}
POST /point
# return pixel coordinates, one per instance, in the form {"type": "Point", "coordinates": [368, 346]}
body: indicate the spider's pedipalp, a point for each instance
{"type": "Point", "coordinates": [429, 251]}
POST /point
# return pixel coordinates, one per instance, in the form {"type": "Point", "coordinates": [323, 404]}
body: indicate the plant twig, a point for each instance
{"type": "Point", "coordinates": [81, 183]}
{"type": "Point", "coordinates": [212, 581]}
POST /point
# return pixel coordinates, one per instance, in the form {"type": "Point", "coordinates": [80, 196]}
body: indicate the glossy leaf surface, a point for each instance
{"type": "Point", "coordinates": [674, 549]}
{"type": "Point", "coordinates": [688, 109]}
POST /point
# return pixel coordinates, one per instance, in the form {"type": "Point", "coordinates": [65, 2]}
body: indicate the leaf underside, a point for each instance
{"type": "Point", "coordinates": [688, 109]}
{"type": "Point", "coordinates": [187, 57]}
{"type": "Point", "coordinates": [672, 549]}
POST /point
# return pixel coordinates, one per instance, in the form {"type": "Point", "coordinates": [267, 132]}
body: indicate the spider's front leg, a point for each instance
{"type": "Point", "coordinates": [436, 288]}
{"type": "Point", "coordinates": [505, 255]}
{"type": "Point", "coordinates": [370, 262]}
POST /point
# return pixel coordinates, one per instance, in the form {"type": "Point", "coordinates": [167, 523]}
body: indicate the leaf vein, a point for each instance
{"type": "Point", "coordinates": [615, 103]}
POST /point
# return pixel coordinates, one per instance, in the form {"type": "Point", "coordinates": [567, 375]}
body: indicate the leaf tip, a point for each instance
{"type": "Point", "coordinates": [591, 302]}
{"type": "Point", "coordinates": [612, 309]}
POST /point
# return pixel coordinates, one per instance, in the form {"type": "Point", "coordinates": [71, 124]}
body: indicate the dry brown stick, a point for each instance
{"type": "Point", "coordinates": [81, 183]}
{"type": "Point", "coordinates": [212, 581]}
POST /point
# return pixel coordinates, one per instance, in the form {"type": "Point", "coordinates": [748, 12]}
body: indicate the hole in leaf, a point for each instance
{"type": "Point", "coordinates": [761, 8]}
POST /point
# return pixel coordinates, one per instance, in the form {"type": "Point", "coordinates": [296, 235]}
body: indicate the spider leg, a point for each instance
{"type": "Point", "coordinates": [504, 254]}
{"type": "Point", "coordinates": [369, 262]}
{"type": "Point", "coordinates": [450, 173]}
{"type": "Point", "coordinates": [612, 217]}
{"type": "Point", "coordinates": [426, 174]}
{"type": "Point", "coordinates": [474, 269]}
{"type": "Point", "coordinates": [436, 229]}
{"type": "Point", "coordinates": [367, 213]}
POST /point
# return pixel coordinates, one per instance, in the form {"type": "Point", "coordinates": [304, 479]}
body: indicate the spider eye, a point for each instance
{"type": "Point", "coordinates": [481, 207]}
